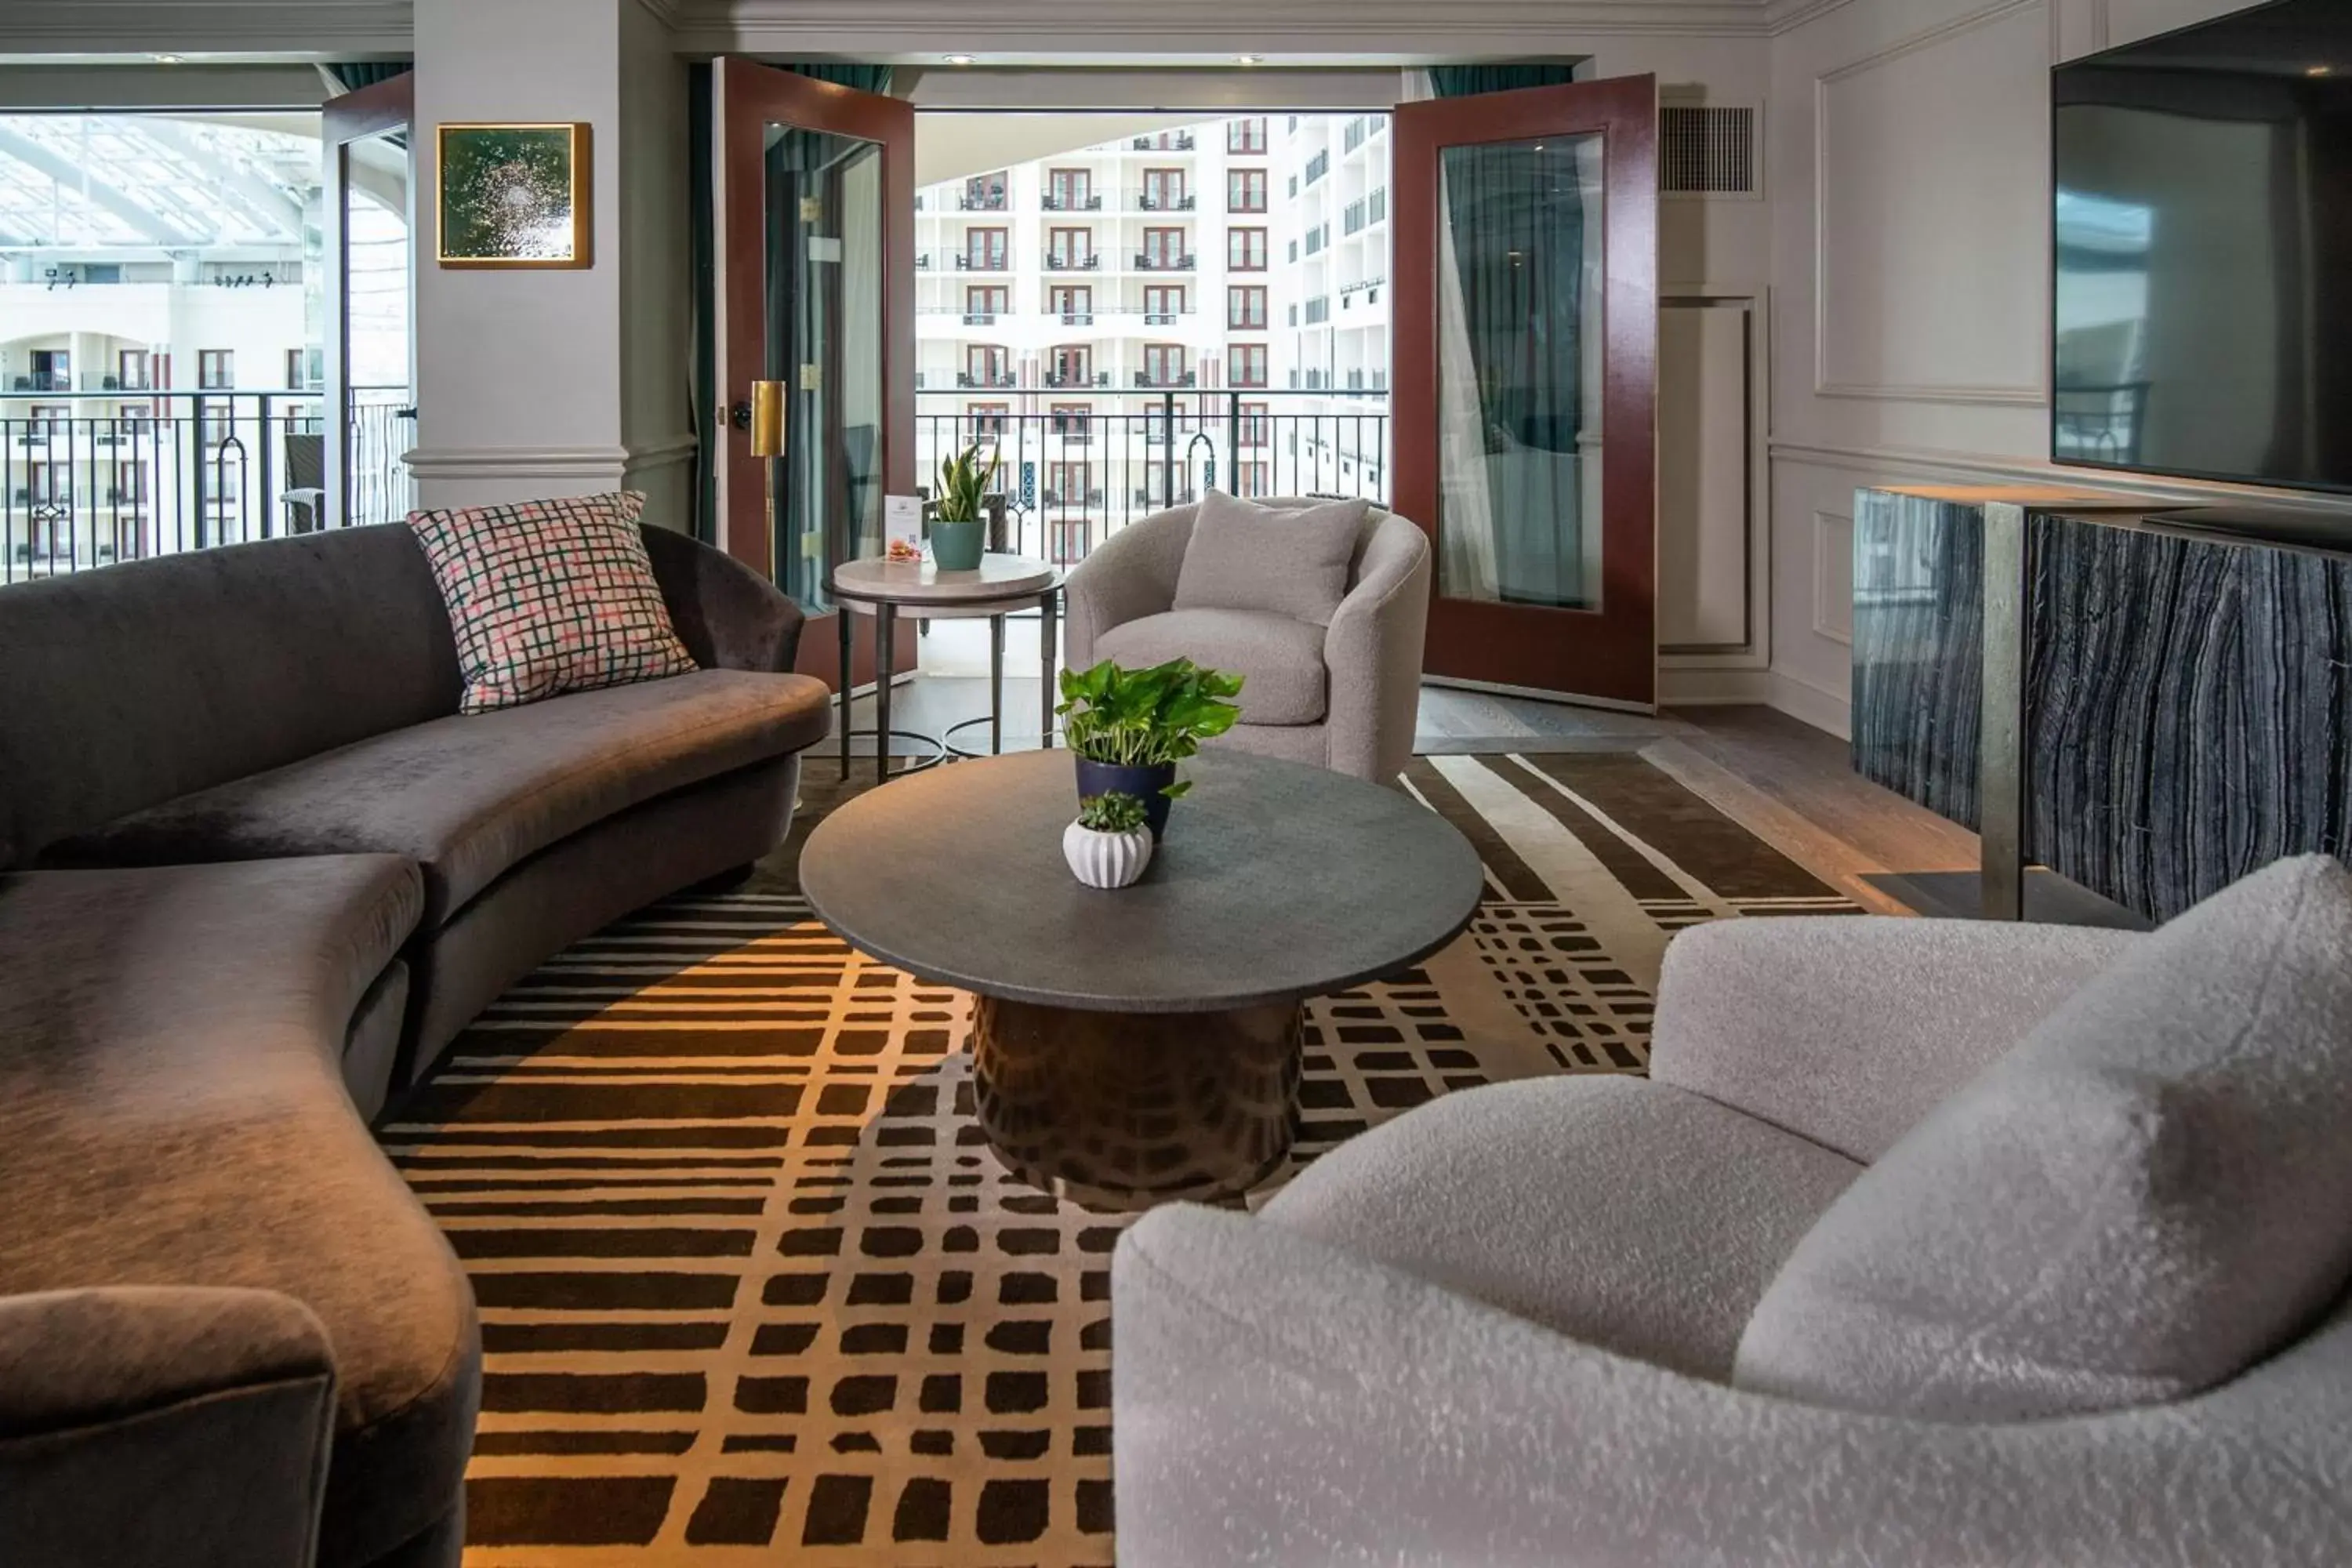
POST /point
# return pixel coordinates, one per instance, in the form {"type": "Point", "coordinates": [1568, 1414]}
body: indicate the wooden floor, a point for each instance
{"type": "Point", "coordinates": [1778, 777]}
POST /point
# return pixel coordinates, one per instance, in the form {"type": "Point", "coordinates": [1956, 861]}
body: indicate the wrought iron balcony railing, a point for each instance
{"type": "Point", "coordinates": [1071, 479]}
{"type": "Point", "coordinates": [123, 474]}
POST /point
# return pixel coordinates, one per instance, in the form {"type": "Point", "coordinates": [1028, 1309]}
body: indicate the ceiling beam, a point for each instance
{"type": "Point", "coordinates": [137, 214]}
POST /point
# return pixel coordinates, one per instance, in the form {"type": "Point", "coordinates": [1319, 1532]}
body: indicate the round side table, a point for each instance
{"type": "Point", "coordinates": [886, 590]}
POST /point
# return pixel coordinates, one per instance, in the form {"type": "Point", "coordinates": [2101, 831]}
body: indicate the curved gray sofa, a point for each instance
{"type": "Point", "coordinates": [1345, 697]}
{"type": "Point", "coordinates": [256, 872]}
{"type": "Point", "coordinates": [300, 696]}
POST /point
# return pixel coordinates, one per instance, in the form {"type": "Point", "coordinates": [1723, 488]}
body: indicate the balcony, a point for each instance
{"type": "Point", "coordinates": [980, 318]}
{"type": "Point", "coordinates": [1077, 318]}
{"type": "Point", "coordinates": [965, 378]}
{"type": "Point", "coordinates": [991, 202]}
{"type": "Point", "coordinates": [1161, 262]}
{"type": "Point", "coordinates": [1057, 261]}
{"type": "Point", "coordinates": [1166, 142]}
{"type": "Point", "coordinates": [42, 381]}
{"type": "Point", "coordinates": [969, 262]}
{"type": "Point", "coordinates": [1067, 381]}
{"type": "Point", "coordinates": [88, 487]}
{"type": "Point", "coordinates": [1149, 381]}
{"type": "Point", "coordinates": [1165, 201]}
{"type": "Point", "coordinates": [1083, 203]}
{"type": "Point", "coordinates": [1072, 497]}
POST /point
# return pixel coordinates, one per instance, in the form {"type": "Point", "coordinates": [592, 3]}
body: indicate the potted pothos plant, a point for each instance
{"type": "Point", "coordinates": [1129, 728]}
{"type": "Point", "coordinates": [957, 535]}
{"type": "Point", "coordinates": [1109, 844]}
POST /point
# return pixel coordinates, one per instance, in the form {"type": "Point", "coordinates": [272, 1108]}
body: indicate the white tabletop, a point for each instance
{"type": "Point", "coordinates": [1001, 578]}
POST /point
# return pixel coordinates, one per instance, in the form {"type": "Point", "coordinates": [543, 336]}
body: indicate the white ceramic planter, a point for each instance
{"type": "Point", "coordinates": [1105, 859]}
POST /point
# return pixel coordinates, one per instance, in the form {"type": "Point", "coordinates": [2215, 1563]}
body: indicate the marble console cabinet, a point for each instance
{"type": "Point", "coordinates": [2151, 703]}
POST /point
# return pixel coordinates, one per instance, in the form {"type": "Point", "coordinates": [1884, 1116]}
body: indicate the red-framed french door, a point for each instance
{"type": "Point", "coordinates": [1526, 358]}
{"type": "Point", "coordinates": [814, 232]}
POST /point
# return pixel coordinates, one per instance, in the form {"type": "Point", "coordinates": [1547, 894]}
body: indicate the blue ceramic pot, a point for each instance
{"type": "Point", "coordinates": [956, 546]}
{"type": "Point", "coordinates": [1144, 784]}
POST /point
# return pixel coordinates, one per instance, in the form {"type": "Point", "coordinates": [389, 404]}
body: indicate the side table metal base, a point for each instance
{"type": "Point", "coordinates": [940, 751]}
{"type": "Point", "coordinates": [1123, 1110]}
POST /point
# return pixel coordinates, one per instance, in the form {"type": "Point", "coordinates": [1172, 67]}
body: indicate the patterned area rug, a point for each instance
{"type": "Point", "coordinates": [752, 1288]}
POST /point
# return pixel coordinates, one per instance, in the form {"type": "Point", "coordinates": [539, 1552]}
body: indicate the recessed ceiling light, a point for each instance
{"type": "Point", "coordinates": [961, 59]}
{"type": "Point", "coordinates": [166, 59]}
{"type": "Point", "coordinates": [1251, 59]}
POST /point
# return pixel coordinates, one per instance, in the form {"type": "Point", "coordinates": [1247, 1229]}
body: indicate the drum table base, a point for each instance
{"type": "Point", "coordinates": [1123, 1110]}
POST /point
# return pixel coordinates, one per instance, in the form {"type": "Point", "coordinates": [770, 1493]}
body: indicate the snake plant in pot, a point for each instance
{"type": "Point", "coordinates": [958, 528]}
{"type": "Point", "coordinates": [1131, 727]}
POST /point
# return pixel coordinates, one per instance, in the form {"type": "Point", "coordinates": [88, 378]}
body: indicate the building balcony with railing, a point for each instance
{"type": "Point", "coordinates": [1166, 261]}
{"type": "Point", "coordinates": [1072, 201]}
{"type": "Point", "coordinates": [1151, 201]}
{"type": "Point", "coordinates": [1073, 261]}
{"type": "Point", "coordinates": [1164, 141]}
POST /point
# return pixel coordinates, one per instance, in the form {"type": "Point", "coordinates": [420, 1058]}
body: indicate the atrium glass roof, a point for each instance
{"type": "Point", "coordinates": [79, 182]}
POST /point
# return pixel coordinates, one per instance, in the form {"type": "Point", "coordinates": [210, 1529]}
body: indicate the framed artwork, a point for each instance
{"type": "Point", "coordinates": [514, 194]}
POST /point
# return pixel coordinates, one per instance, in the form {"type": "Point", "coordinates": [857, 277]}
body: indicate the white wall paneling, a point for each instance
{"type": "Point", "coordinates": [1900, 226]}
{"type": "Point", "coordinates": [1832, 598]}
{"type": "Point", "coordinates": [1706, 555]}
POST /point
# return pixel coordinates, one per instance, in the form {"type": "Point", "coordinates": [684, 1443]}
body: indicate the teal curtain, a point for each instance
{"type": "Point", "coordinates": [1461, 81]}
{"type": "Point", "coordinates": [1515, 215]}
{"type": "Point", "coordinates": [864, 78]}
{"type": "Point", "coordinates": [357, 74]}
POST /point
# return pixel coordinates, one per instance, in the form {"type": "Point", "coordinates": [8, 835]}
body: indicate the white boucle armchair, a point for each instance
{"type": "Point", "coordinates": [1345, 698]}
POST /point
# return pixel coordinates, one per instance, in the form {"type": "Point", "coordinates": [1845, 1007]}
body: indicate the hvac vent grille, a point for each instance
{"type": "Point", "coordinates": [1706, 152]}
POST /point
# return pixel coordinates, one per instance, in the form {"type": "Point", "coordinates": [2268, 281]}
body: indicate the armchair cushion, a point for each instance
{"type": "Point", "coordinates": [1289, 561]}
{"type": "Point", "coordinates": [1279, 659]}
{"type": "Point", "coordinates": [2149, 1194]}
{"type": "Point", "coordinates": [1642, 1219]}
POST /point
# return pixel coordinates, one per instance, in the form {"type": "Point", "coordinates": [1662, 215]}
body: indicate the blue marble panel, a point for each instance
{"type": "Point", "coordinates": [1918, 648]}
{"type": "Point", "coordinates": [2189, 709]}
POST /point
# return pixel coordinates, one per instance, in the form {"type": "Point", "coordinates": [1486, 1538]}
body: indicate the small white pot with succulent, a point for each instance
{"type": "Point", "coordinates": [1109, 844]}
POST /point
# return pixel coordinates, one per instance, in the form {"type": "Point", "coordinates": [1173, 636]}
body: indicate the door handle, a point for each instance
{"type": "Point", "coordinates": [762, 417]}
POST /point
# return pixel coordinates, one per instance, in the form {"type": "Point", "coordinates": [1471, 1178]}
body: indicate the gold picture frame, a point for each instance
{"type": "Point", "coordinates": [510, 195]}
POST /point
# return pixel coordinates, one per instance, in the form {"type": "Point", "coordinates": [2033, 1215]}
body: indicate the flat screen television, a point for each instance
{"type": "Point", "coordinates": [2202, 287]}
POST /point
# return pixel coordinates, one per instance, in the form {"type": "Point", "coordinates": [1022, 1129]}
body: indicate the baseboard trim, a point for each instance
{"type": "Point", "coordinates": [1713, 688]}
{"type": "Point", "coordinates": [1821, 708]}
{"type": "Point", "coordinates": [1498, 688]}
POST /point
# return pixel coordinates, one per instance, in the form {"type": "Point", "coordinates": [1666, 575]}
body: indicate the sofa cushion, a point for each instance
{"type": "Point", "coordinates": [469, 796]}
{"type": "Point", "coordinates": [1279, 659]}
{"type": "Point", "coordinates": [173, 1113]}
{"type": "Point", "coordinates": [1642, 1219]}
{"type": "Point", "coordinates": [2151, 1192]}
{"type": "Point", "coordinates": [1285, 561]}
{"type": "Point", "coordinates": [550, 596]}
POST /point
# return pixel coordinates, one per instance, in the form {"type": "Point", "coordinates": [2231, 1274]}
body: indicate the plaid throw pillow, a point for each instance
{"type": "Point", "coordinates": [550, 596]}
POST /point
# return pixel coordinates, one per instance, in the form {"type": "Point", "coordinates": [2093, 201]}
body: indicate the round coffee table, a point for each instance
{"type": "Point", "coordinates": [1140, 1044]}
{"type": "Point", "coordinates": [885, 589]}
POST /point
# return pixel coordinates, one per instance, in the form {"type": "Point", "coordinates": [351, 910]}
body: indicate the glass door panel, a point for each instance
{"type": "Point", "coordinates": [824, 266]}
{"type": "Point", "coordinates": [1526, 353]}
{"type": "Point", "coordinates": [1519, 401]}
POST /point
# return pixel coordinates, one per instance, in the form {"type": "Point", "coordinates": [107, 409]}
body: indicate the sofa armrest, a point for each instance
{"type": "Point", "coordinates": [1281, 1401]}
{"type": "Point", "coordinates": [729, 616]}
{"type": "Point", "coordinates": [1847, 1030]}
{"type": "Point", "coordinates": [1373, 652]}
{"type": "Point", "coordinates": [164, 1425]}
{"type": "Point", "coordinates": [1128, 576]}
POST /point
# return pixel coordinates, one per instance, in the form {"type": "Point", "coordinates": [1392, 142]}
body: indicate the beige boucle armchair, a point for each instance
{"type": "Point", "coordinates": [1344, 697]}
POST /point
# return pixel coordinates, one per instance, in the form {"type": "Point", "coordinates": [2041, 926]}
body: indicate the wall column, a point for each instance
{"type": "Point", "coordinates": [520, 386]}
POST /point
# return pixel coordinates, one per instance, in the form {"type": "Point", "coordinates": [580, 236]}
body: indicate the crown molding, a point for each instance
{"type": "Point", "coordinates": [340, 28]}
{"type": "Point", "coordinates": [1025, 32]}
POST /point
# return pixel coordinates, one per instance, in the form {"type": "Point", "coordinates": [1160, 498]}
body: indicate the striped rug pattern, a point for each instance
{"type": "Point", "coordinates": [753, 1290]}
